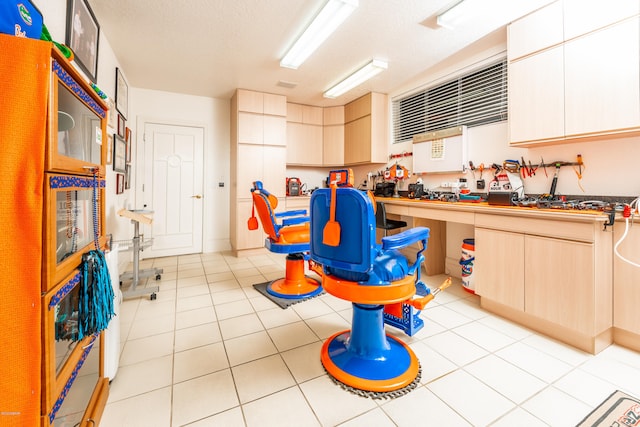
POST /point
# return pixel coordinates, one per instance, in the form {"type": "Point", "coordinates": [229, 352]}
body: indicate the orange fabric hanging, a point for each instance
{"type": "Point", "coordinates": [24, 88]}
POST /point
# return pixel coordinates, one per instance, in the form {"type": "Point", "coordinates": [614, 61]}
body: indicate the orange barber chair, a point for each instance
{"type": "Point", "coordinates": [382, 286]}
{"type": "Point", "coordinates": [291, 237]}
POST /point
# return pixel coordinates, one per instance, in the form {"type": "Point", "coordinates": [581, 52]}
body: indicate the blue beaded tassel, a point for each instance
{"type": "Point", "coordinates": [95, 305]}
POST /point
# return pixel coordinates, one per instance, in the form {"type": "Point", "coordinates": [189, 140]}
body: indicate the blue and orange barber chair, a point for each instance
{"type": "Point", "coordinates": [380, 283]}
{"type": "Point", "coordinates": [291, 237]}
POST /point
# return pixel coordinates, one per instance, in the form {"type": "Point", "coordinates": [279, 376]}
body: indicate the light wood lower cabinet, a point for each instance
{"type": "Point", "coordinates": [560, 282]}
{"type": "Point", "coordinates": [559, 286]}
{"type": "Point", "coordinates": [626, 287]}
{"type": "Point", "coordinates": [500, 275]}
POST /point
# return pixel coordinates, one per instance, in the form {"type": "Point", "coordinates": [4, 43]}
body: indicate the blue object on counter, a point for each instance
{"type": "Point", "coordinates": [469, 197]}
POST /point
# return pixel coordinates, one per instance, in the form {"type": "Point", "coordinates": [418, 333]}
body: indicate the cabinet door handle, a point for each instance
{"type": "Point", "coordinates": [197, 196]}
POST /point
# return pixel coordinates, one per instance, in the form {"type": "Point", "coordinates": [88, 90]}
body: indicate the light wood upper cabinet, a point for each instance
{"type": "Point", "coordinates": [525, 35]}
{"type": "Point", "coordinates": [333, 116]}
{"type": "Point", "coordinates": [536, 96]}
{"type": "Point", "coordinates": [583, 85]}
{"type": "Point", "coordinates": [602, 88]}
{"type": "Point", "coordinates": [366, 130]}
{"type": "Point", "coordinates": [304, 135]}
{"type": "Point", "coordinates": [250, 101]}
{"type": "Point", "coordinates": [333, 145]}
{"type": "Point", "coordinates": [584, 16]}
{"type": "Point", "coordinates": [294, 112]}
{"type": "Point", "coordinates": [250, 128]}
{"type": "Point", "coordinates": [333, 136]}
{"type": "Point", "coordinates": [275, 130]}
{"type": "Point", "coordinates": [312, 115]}
{"type": "Point", "coordinates": [275, 105]}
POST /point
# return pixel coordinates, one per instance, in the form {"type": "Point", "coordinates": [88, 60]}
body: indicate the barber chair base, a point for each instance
{"type": "Point", "coordinates": [367, 360]}
{"type": "Point", "coordinates": [295, 284]}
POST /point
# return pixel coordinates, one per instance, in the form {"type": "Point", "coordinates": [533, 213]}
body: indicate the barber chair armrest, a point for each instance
{"type": "Point", "coordinates": [295, 220]}
{"type": "Point", "coordinates": [406, 238]}
{"type": "Point", "coordinates": [291, 213]}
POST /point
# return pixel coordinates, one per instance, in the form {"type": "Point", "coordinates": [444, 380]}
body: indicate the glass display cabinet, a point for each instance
{"type": "Point", "coordinates": [53, 128]}
{"type": "Point", "coordinates": [76, 125]}
{"type": "Point", "coordinates": [72, 365]}
{"type": "Point", "coordinates": [69, 210]}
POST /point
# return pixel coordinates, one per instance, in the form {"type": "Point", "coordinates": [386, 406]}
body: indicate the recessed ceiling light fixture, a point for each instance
{"type": "Point", "coordinates": [362, 75]}
{"type": "Point", "coordinates": [452, 16]}
{"type": "Point", "coordinates": [330, 17]}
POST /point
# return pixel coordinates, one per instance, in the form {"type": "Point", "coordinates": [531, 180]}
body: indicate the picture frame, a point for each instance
{"type": "Point", "coordinates": [122, 94]}
{"type": "Point", "coordinates": [119, 183]}
{"type": "Point", "coordinates": [113, 114]}
{"type": "Point", "coordinates": [127, 177]}
{"type": "Point", "coordinates": [83, 36]}
{"type": "Point", "coordinates": [121, 126]}
{"type": "Point", "coordinates": [129, 144]}
{"type": "Point", "coordinates": [119, 154]}
{"type": "Point", "coordinates": [109, 158]}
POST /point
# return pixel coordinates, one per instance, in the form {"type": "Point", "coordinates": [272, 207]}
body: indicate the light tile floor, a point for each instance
{"type": "Point", "coordinates": [212, 351]}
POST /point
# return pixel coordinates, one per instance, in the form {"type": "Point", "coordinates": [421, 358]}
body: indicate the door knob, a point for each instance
{"type": "Point", "coordinates": [197, 196]}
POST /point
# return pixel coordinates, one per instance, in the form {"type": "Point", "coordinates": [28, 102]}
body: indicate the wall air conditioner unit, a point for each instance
{"type": "Point", "coordinates": [442, 151]}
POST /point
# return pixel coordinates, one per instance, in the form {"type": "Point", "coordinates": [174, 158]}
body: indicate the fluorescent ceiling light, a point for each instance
{"type": "Point", "coordinates": [357, 78]}
{"type": "Point", "coordinates": [457, 13]}
{"type": "Point", "coordinates": [330, 17]}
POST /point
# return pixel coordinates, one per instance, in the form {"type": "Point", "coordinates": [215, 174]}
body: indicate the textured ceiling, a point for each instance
{"type": "Point", "coordinates": [210, 47]}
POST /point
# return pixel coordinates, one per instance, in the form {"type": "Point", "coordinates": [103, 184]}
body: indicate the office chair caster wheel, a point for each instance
{"type": "Point", "coordinates": [158, 277]}
{"type": "Point", "coordinates": [153, 296]}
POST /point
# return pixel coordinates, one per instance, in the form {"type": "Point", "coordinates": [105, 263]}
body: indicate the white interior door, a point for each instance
{"type": "Point", "coordinates": [173, 188]}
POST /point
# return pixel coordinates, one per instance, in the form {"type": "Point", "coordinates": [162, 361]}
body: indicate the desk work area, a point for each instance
{"type": "Point", "coordinates": [549, 270]}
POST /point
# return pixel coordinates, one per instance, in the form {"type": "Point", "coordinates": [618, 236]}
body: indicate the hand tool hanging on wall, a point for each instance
{"type": "Point", "coordinates": [554, 181]}
{"type": "Point", "coordinates": [578, 171]}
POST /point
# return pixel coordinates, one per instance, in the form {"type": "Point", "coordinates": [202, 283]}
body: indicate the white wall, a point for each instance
{"type": "Point", "coordinates": [610, 163]}
{"type": "Point", "coordinates": [211, 114]}
{"type": "Point", "coordinates": [54, 14]}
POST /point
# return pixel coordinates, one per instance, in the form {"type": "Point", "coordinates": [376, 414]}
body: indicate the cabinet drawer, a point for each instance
{"type": "Point", "coordinates": [578, 231]}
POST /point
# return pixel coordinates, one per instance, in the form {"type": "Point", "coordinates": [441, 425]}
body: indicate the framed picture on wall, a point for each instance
{"type": "Point", "coordinates": [109, 149]}
{"type": "Point", "coordinates": [119, 183]}
{"type": "Point", "coordinates": [129, 143]}
{"type": "Point", "coordinates": [113, 114]}
{"type": "Point", "coordinates": [127, 178]}
{"type": "Point", "coordinates": [121, 126]}
{"type": "Point", "coordinates": [119, 154]}
{"type": "Point", "coordinates": [83, 34]}
{"type": "Point", "coordinates": [122, 94]}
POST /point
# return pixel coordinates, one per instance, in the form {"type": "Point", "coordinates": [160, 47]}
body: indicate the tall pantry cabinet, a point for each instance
{"type": "Point", "coordinates": [52, 128]}
{"type": "Point", "coordinates": [258, 153]}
